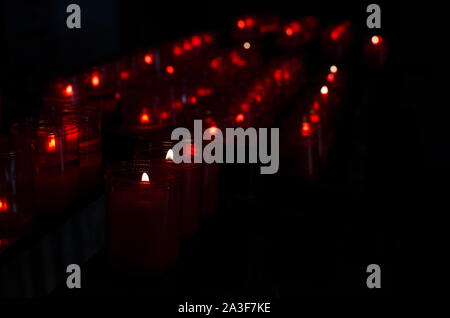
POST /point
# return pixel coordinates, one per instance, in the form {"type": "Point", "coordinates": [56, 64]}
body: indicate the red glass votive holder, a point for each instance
{"type": "Point", "coordinates": [65, 103]}
{"type": "Point", "coordinates": [143, 211]}
{"type": "Point", "coordinates": [192, 183]}
{"type": "Point", "coordinates": [16, 196]}
{"type": "Point", "coordinates": [56, 166]}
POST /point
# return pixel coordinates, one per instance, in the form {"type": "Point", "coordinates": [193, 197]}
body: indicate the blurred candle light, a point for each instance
{"type": "Point", "coordinates": [241, 24]}
{"type": "Point", "coordinates": [376, 40]}
{"type": "Point", "coordinates": [148, 59]}
{"type": "Point", "coordinates": [324, 90]}
{"type": "Point", "coordinates": [247, 45]}
{"type": "Point", "coordinates": [170, 69]}
{"type": "Point", "coordinates": [333, 69]}
{"type": "Point", "coordinates": [239, 118]}
{"type": "Point", "coordinates": [95, 80]}
{"type": "Point", "coordinates": [145, 178]}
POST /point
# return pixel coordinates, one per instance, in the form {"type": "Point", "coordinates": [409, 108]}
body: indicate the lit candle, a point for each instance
{"type": "Point", "coordinates": [15, 195]}
{"type": "Point", "coordinates": [192, 182]}
{"type": "Point", "coordinates": [56, 166]}
{"type": "Point", "coordinates": [143, 204]}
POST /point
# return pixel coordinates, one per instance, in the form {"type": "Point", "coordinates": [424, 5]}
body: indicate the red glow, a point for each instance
{"type": "Point", "coordinates": [316, 105]}
{"type": "Point", "coordinates": [3, 206]}
{"type": "Point", "coordinates": [117, 95]}
{"type": "Point", "coordinates": [68, 90]}
{"type": "Point", "coordinates": [314, 118]}
{"type": "Point", "coordinates": [289, 31]}
{"type": "Point", "coordinates": [196, 41]}
{"type": "Point", "coordinates": [240, 118]}
{"type": "Point", "coordinates": [214, 64]}
{"type": "Point", "coordinates": [145, 119]}
{"type": "Point", "coordinates": [95, 80]}
{"type": "Point", "coordinates": [207, 38]}
{"type": "Point", "coordinates": [204, 92]}
{"type": "Point", "coordinates": [278, 75]}
{"type": "Point", "coordinates": [236, 59]}
{"type": "Point", "coordinates": [193, 100]}
{"type": "Point", "coordinates": [170, 69]}
{"type": "Point", "coordinates": [148, 59]}
{"type": "Point", "coordinates": [164, 115]}
{"type": "Point", "coordinates": [249, 22]}
{"type": "Point", "coordinates": [337, 32]}
{"type": "Point", "coordinates": [52, 144]}
{"type": "Point", "coordinates": [241, 24]}
{"type": "Point", "coordinates": [213, 129]}
{"type": "Point", "coordinates": [258, 98]}
{"type": "Point", "coordinates": [245, 107]}
{"type": "Point", "coordinates": [330, 78]}
{"type": "Point", "coordinates": [306, 129]}
{"type": "Point", "coordinates": [177, 104]}
{"type": "Point", "coordinates": [286, 75]}
{"type": "Point", "coordinates": [177, 50]}
{"type": "Point", "coordinates": [187, 46]}
{"type": "Point", "coordinates": [124, 75]}
{"type": "Point", "coordinates": [376, 39]}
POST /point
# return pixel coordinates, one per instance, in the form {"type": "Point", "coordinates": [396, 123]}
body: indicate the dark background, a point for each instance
{"type": "Point", "coordinates": [408, 149]}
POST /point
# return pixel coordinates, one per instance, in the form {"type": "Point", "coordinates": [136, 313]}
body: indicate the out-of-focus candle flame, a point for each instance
{"type": "Point", "coordinates": [193, 100]}
{"type": "Point", "coordinates": [247, 45]}
{"type": "Point", "coordinates": [177, 50]}
{"type": "Point", "coordinates": [306, 129]}
{"type": "Point", "coordinates": [148, 59]}
{"type": "Point", "coordinates": [145, 118]}
{"type": "Point", "coordinates": [213, 130]}
{"type": "Point", "coordinates": [241, 24]}
{"type": "Point", "coordinates": [3, 205]}
{"type": "Point", "coordinates": [52, 144]}
{"type": "Point", "coordinates": [169, 154]}
{"type": "Point", "coordinates": [68, 90]}
{"type": "Point", "coordinates": [376, 39]}
{"type": "Point", "coordinates": [170, 70]}
{"type": "Point", "coordinates": [249, 22]}
{"type": "Point", "coordinates": [95, 80]}
{"type": "Point", "coordinates": [324, 90]}
{"type": "Point", "coordinates": [145, 177]}
{"type": "Point", "coordinates": [240, 118]}
{"type": "Point", "coordinates": [314, 118]}
{"type": "Point", "coordinates": [333, 69]}
{"type": "Point", "coordinates": [289, 31]}
{"type": "Point", "coordinates": [117, 95]}
{"type": "Point", "coordinates": [330, 77]}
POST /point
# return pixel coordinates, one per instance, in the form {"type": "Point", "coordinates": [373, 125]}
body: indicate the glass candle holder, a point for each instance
{"type": "Point", "coordinates": [65, 104]}
{"type": "Point", "coordinates": [56, 166]}
{"type": "Point", "coordinates": [143, 211]}
{"type": "Point", "coordinates": [144, 112]}
{"type": "Point", "coordinates": [16, 196]}
{"type": "Point", "coordinates": [192, 182]}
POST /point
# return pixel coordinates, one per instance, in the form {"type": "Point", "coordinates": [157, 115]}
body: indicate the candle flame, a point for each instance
{"type": "Point", "coordinates": [145, 118]}
{"type": "Point", "coordinates": [333, 69]}
{"type": "Point", "coordinates": [376, 40]}
{"type": "Point", "coordinates": [68, 90]}
{"type": "Point", "coordinates": [52, 143]}
{"type": "Point", "coordinates": [169, 155]}
{"type": "Point", "coordinates": [95, 80]}
{"type": "Point", "coordinates": [324, 90]}
{"type": "Point", "coordinates": [145, 177]}
{"type": "Point", "coordinates": [247, 45]}
{"type": "Point", "coordinates": [148, 59]}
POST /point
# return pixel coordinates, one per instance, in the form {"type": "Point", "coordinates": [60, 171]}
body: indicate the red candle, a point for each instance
{"type": "Point", "coordinates": [143, 216]}
{"type": "Point", "coordinates": [56, 166]}
{"type": "Point", "coordinates": [16, 196]}
{"type": "Point", "coordinates": [192, 184]}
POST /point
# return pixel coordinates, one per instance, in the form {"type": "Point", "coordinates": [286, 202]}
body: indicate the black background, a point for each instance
{"type": "Point", "coordinates": [404, 187]}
